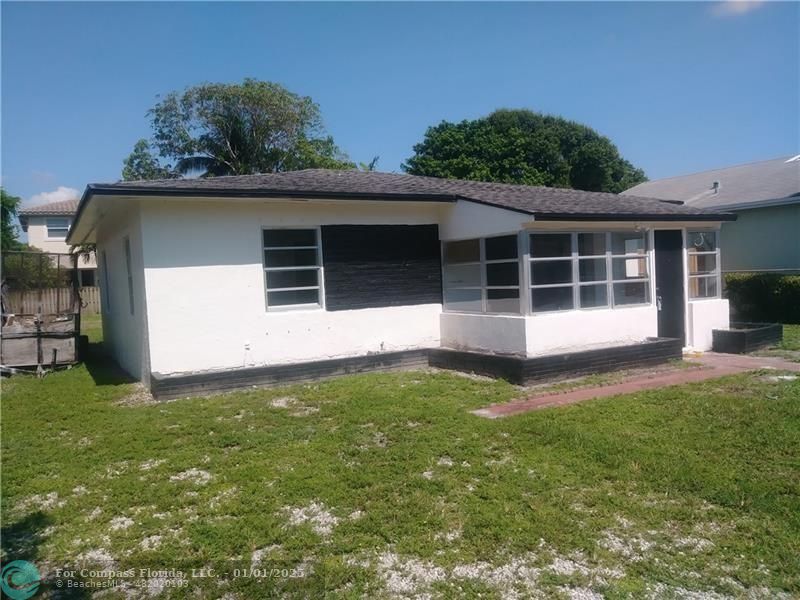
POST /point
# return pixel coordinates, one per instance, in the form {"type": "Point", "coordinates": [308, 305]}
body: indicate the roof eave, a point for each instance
{"type": "Point", "coordinates": [633, 217]}
{"type": "Point", "coordinates": [253, 193]}
{"type": "Point", "coordinates": [96, 189]}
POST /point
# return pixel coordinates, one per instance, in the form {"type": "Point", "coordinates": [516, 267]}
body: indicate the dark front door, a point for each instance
{"type": "Point", "coordinates": [669, 284]}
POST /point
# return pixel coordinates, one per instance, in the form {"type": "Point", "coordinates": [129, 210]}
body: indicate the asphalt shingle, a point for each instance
{"type": "Point", "coordinates": [543, 202]}
{"type": "Point", "coordinates": [742, 185]}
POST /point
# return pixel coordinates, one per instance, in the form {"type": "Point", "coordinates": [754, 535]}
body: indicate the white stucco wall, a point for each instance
{"type": "Point", "coordinates": [200, 262]}
{"type": "Point", "coordinates": [124, 334]}
{"type": "Point", "coordinates": [37, 237]}
{"type": "Point", "coordinates": [703, 317]}
{"type": "Point", "coordinates": [205, 286]}
{"type": "Point", "coordinates": [762, 239]}
{"type": "Point", "coordinates": [466, 219]}
{"type": "Point", "coordinates": [498, 334]}
{"type": "Point", "coordinates": [549, 333]}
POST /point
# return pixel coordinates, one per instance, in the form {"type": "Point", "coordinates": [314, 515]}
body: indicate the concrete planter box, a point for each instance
{"type": "Point", "coordinates": [746, 337]}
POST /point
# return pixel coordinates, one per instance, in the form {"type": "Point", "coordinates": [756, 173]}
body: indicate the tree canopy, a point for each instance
{"type": "Point", "coordinates": [141, 164]}
{"type": "Point", "coordinates": [522, 146]}
{"type": "Point", "coordinates": [234, 129]}
{"type": "Point", "coordinates": [8, 234]}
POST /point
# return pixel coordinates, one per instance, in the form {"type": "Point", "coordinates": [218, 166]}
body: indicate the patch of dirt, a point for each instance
{"type": "Point", "coordinates": [98, 558]}
{"type": "Point", "coordinates": [41, 502]}
{"type": "Point", "coordinates": [407, 576]}
{"type": "Point", "coordinates": [96, 512]}
{"type": "Point", "coordinates": [261, 553]}
{"type": "Point", "coordinates": [151, 464]}
{"type": "Point", "coordinates": [80, 490]}
{"type": "Point", "coordinates": [224, 495]}
{"type": "Point", "coordinates": [194, 475]}
{"type": "Point", "coordinates": [632, 547]}
{"type": "Point", "coordinates": [296, 408]}
{"type": "Point", "coordinates": [151, 542]}
{"type": "Point", "coordinates": [120, 523]}
{"type": "Point", "coordinates": [138, 396]}
{"type": "Point", "coordinates": [317, 514]}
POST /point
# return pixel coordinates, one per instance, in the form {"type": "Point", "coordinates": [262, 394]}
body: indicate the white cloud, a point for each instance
{"type": "Point", "coordinates": [57, 195]}
{"type": "Point", "coordinates": [733, 8]}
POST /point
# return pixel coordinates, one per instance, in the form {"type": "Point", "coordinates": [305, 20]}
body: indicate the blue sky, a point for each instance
{"type": "Point", "coordinates": [679, 87]}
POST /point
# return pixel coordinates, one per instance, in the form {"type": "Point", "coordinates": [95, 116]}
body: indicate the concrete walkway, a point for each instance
{"type": "Point", "coordinates": [713, 365]}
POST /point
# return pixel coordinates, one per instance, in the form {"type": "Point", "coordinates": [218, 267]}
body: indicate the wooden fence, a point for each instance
{"type": "Point", "coordinates": [53, 301]}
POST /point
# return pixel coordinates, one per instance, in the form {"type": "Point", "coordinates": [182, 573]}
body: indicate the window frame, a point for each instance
{"type": "Point", "coordinates": [716, 274]}
{"type": "Point", "coordinates": [65, 229]}
{"type": "Point", "coordinates": [319, 267]}
{"type": "Point", "coordinates": [575, 257]}
{"type": "Point", "coordinates": [484, 286]}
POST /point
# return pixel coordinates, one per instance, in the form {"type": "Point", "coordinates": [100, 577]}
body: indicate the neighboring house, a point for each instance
{"type": "Point", "coordinates": [204, 276]}
{"type": "Point", "coordinates": [47, 227]}
{"type": "Point", "coordinates": [766, 197]}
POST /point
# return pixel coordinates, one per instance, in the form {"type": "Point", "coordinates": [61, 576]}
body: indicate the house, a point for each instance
{"type": "Point", "coordinates": [227, 281]}
{"type": "Point", "coordinates": [766, 197]}
{"type": "Point", "coordinates": [47, 227]}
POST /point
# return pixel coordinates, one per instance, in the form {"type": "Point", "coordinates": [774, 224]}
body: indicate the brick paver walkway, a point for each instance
{"type": "Point", "coordinates": [713, 365]}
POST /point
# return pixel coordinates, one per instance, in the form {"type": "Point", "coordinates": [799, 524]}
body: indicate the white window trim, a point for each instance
{"type": "Point", "coordinates": [64, 229]}
{"type": "Point", "coordinates": [576, 284]}
{"type": "Point", "coordinates": [484, 287]}
{"type": "Point", "coordinates": [320, 268]}
{"type": "Point", "coordinates": [717, 274]}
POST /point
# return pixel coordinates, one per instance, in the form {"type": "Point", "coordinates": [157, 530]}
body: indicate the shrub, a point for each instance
{"type": "Point", "coordinates": [764, 297]}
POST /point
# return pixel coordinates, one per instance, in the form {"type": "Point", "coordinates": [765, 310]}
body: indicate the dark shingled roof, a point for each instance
{"type": "Point", "coordinates": [542, 202]}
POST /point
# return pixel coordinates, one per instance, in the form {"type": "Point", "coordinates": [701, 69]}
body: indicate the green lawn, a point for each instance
{"type": "Point", "coordinates": [385, 485]}
{"type": "Point", "coordinates": [789, 348]}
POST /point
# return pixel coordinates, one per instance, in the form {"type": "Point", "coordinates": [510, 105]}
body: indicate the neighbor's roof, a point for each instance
{"type": "Point", "coordinates": [64, 207]}
{"type": "Point", "coordinates": [765, 183]}
{"type": "Point", "coordinates": [54, 209]}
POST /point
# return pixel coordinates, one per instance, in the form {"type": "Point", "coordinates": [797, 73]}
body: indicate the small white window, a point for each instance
{"type": "Point", "coordinates": [292, 268]}
{"type": "Point", "coordinates": [130, 272]}
{"type": "Point", "coordinates": [57, 228]}
{"type": "Point", "coordinates": [704, 271]}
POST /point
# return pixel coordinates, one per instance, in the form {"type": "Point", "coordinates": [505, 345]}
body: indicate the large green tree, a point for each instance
{"type": "Point", "coordinates": [8, 233]}
{"type": "Point", "coordinates": [142, 164]}
{"type": "Point", "coordinates": [522, 146]}
{"type": "Point", "coordinates": [235, 129]}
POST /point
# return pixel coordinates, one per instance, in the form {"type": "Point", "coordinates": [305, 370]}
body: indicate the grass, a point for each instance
{"type": "Point", "coordinates": [384, 485]}
{"type": "Point", "coordinates": [789, 347]}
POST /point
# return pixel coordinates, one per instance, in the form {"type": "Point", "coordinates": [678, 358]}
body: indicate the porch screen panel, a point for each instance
{"type": "Point", "coordinates": [370, 266]}
{"type": "Point", "coordinates": [481, 275]}
{"type": "Point", "coordinates": [588, 270]}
